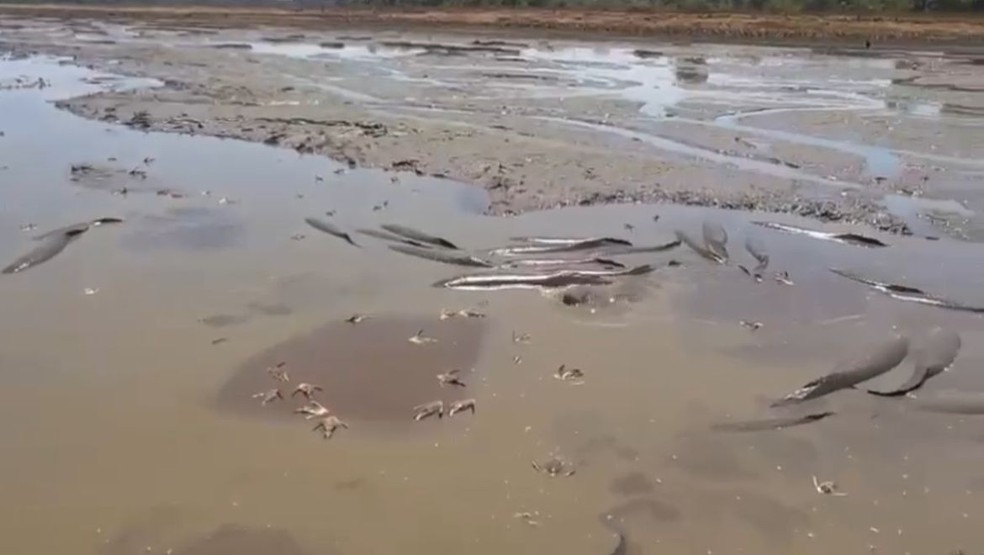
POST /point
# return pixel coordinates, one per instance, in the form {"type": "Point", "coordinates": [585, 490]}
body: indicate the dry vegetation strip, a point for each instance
{"type": "Point", "coordinates": [964, 28]}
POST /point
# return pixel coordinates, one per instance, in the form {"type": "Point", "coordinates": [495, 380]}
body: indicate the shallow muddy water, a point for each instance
{"type": "Point", "coordinates": [130, 361]}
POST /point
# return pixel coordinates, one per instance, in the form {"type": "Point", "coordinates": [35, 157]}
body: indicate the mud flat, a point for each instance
{"type": "Point", "coordinates": [547, 123]}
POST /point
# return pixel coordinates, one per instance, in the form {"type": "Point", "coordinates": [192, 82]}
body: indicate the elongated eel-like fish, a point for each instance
{"type": "Point", "coordinates": [50, 247]}
{"type": "Point", "coordinates": [385, 236]}
{"type": "Point", "coordinates": [566, 278]}
{"type": "Point", "coordinates": [419, 236]}
{"type": "Point", "coordinates": [777, 423]}
{"type": "Point", "coordinates": [456, 258]}
{"type": "Point", "coordinates": [844, 238]}
{"type": "Point", "coordinates": [938, 354]}
{"type": "Point", "coordinates": [330, 229]}
{"type": "Point", "coordinates": [907, 293]}
{"type": "Point", "coordinates": [876, 362]}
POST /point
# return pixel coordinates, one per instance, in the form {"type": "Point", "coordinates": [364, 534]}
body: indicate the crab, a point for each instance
{"type": "Point", "coordinates": [555, 466]}
{"type": "Point", "coordinates": [566, 374]}
{"type": "Point", "coordinates": [828, 487]}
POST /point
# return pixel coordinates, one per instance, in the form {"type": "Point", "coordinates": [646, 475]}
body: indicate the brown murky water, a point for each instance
{"type": "Point", "coordinates": [129, 362]}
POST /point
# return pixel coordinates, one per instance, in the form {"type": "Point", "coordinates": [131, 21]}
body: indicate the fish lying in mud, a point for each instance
{"type": "Point", "coordinates": [330, 229]}
{"type": "Point", "coordinates": [603, 262]}
{"type": "Point", "coordinates": [776, 423]}
{"type": "Point", "coordinates": [418, 236]}
{"type": "Point", "coordinates": [563, 245]}
{"type": "Point", "coordinates": [757, 250]}
{"type": "Point", "coordinates": [953, 402]}
{"type": "Point", "coordinates": [84, 226]}
{"type": "Point", "coordinates": [844, 238]}
{"type": "Point", "coordinates": [907, 293]}
{"type": "Point", "coordinates": [566, 278]}
{"type": "Point", "coordinates": [938, 353]}
{"type": "Point", "coordinates": [618, 250]}
{"type": "Point", "coordinates": [876, 362]}
{"type": "Point", "coordinates": [568, 241]}
{"type": "Point", "coordinates": [716, 240]}
{"type": "Point", "coordinates": [51, 246]}
{"type": "Point", "coordinates": [455, 258]}
{"type": "Point", "coordinates": [697, 247]}
{"type": "Point", "coordinates": [385, 236]}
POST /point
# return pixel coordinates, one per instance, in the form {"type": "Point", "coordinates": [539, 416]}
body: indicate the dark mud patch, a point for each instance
{"type": "Point", "coordinates": [233, 46]}
{"type": "Point", "coordinates": [633, 483]}
{"type": "Point", "coordinates": [228, 539]}
{"type": "Point", "coordinates": [369, 371]}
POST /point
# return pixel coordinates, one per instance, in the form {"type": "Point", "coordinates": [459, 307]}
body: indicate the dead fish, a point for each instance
{"type": "Point", "coordinates": [307, 390]}
{"type": "Point", "coordinates": [219, 340]}
{"type": "Point", "coordinates": [356, 318]}
{"type": "Point", "coordinates": [564, 278]}
{"type": "Point", "coordinates": [543, 248]}
{"type": "Point", "coordinates": [618, 250]}
{"type": "Point", "coordinates": [844, 238]}
{"type": "Point", "coordinates": [268, 397]}
{"type": "Point", "coordinates": [716, 240]}
{"type": "Point", "coordinates": [777, 423]}
{"type": "Point", "coordinates": [568, 374]}
{"type": "Point", "coordinates": [783, 278]}
{"type": "Point", "coordinates": [876, 362]}
{"type": "Point", "coordinates": [66, 230]}
{"type": "Point", "coordinates": [426, 410]}
{"type": "Point", "coordinates": [952, 402]}
{"type": "Point", "coordinates": [605, 262]}
{"type": "Point", "coordinates": [328, 425]}
{"type": "Point", "coordinates": [454, 258]}
{"type": "Point", "coordinates": [385, 236]}
{"type": "Point", "coordinates": [696, 247]}
{"type": "Point", "coordinates": [330, 229]}
{"type": "Point", "coordinates": [419, 236]}
{"type": "Point", "coordinates": [450, 378]}
{"type": "Point", "coordinates": [461, 406]}
{"type": "Point", "coordinates": [570, 241]}
{"type": "Point", "coordinates": [420, 339]}
{"type": "Point", "coordinates": [313, 409]}
{"type": "Point", "coordinates": [44, 252]}
{"type": "Point", "coordinates": [907, 293]}
{"type": "Point", "coordinates": [934, 358]}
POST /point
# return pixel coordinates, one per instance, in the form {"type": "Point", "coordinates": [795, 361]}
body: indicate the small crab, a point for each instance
{"type": "Point", "coordinates": [429, 409]}
{"type": "Point", "coordinates": [461, 406]}
{"type": "Point", "coordinates": [269, 396]}
{"type": "Point", "coordinates": [553, 467]}
{"type": "Point", "coordinates": [307, 390]}
{"type": "Point", "coordinates": [420, 339]}
{"type": "Point", "coordinates": [568, 374]}
{"type": "Point", "coordinates": [828, 487]}
{"type": "Point", "coordinates": [783, 278]}
{"type": "Point", "coordinates": [328, 425]}
{"type": "Point", "coordinates": [450, 378]}
{"type": "Point", "coordinates": [313, 409]}
{"type": "Point", "coordinates": [278, 373]}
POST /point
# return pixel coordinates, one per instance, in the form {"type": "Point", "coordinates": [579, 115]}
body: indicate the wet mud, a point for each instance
{"type": "Point", "coordinates": [370, 372]}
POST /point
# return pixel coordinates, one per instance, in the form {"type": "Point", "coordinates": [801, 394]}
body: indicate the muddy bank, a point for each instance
{"type": "Point", "coordinates": [369, 371]}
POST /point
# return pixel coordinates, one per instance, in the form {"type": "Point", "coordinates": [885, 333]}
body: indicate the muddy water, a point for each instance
{"type": "Point", "coordinates": [130, 424]}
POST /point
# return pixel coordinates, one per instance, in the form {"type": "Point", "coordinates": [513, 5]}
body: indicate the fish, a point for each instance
{"type": "Point", "coordinates": [330, 229]}
{"type": "Point", "coordinates": [84, 226]}
{"type": "Point", "coordinates": [716, 240]}
{"type": "Point", "coordinates": [776, 423]}
{"type": "Point", "coordinates": [453, 258]}
{"type": "Point", "coordinates": [908, 293]}
{"type": "Point", "coordinates": [450, 378]}
{"type": "Point", "coordinates": [854, 239]}
{"type": "Point", "coordinates": [427, 410]}
{"type": "Point", "coordinates": [874, 363]}
{"type": "Point", "coordinates": [697, 247]}
{"type": "Point", "coordinates": [377, 234]}
{"type": "Point", "coordinates": [569, 240]}
{"type": "Point", "coordinates": [618, 250]}
{"type": "Point", "coordinates": [934, 358]}
{"type": "Point", "coordinates": [48, 249]}
{"type": "Point", "coordinates": [419, 236]}
{"type": "Point", "coordinates": [578, 245]}
{"type": "Point", "coordinates": [606, 262]}
{"type": "Point", "coordinates": [420, 339]}
{"type": "Point", "coordinates": [565, 278]}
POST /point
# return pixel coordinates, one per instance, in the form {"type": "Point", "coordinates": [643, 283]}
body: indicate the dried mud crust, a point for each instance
{"type": "Point", "coordinates": [964, 28]}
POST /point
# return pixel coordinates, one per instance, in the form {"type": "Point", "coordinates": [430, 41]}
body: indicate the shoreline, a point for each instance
{"type": "Point", "coordinates": [885, 30]}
